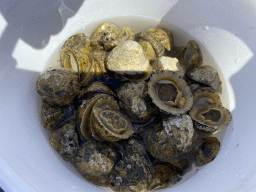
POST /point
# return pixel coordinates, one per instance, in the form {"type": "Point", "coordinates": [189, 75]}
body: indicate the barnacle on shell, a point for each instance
{"type": "Point", "coordinates": [211, 117]}
{"type": "Point", "coordinates": [170, 92]}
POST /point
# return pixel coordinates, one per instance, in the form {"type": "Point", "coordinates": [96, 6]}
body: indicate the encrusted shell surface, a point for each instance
{"type": "Point", "coordinates": [211, 117]}
{"type": "Point", "coordinates": [148, 50]}
{"type": "Point", "coordinates": [111, 125]}
{"type": "Point", "coordinates": [205, 95]}
{"type": "Point", "coordinates": [206, 75]}
{"type": "Point", "coordinates": [181, 131]}
{"type": "Point", "coordinates": [58, 86]}
{"type": "Point", "coordinates": [134, 100]}
{"type": "Point", "coordinates": [191, 56]}
{"type": "Point", "coordinates": [51, 115]}
{"type": "Point", "coordinates": [165, 176]}
{"type": "Point", "coordinates": [95, 162]}
{"type": "Point", "coordinates": [109, 35]}
{"type": "Point", "coordinates": [128, 58]}
{"type": "Point", "coordinates": [158, 47]}
{"type": "Point", "coordinates": [206, 151]}
{"type": "Point", "coordinates": [134, 145]}
{"type": "Point", "coordinates": [163, 36]}
{"type": "Point", "coordinates": [168, 63]}
{"type": "Point", "coordinates": [162, 145]}
{"type": "Point", "coordinates": [79, 42]}
{"type": "Point", "coordinates": [133, 174]}
{"type": "Point", "coordinates": [170, 92]}
{"type": "Point", "coordinates": [65, 140]}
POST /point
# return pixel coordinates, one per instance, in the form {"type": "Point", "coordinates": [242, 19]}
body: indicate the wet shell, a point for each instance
{"type": "Point", "coordinates": [180, 130]}
{"type": "Point", "coordinates": [134, 145]}
{"type": "Point", "coordinates": [168, 63]}
{"type": "Point", "coordinates": [95, 162]}
{"type": "Point", "coordinates": [51, 115]}
{"type": "Point", "coordinates": [95, 87]}
{"type": "Point", "coordinates": [206, 75]}
{"type": "Point", "coordinates": [165, 176]}
{"type": "Point", "coordinates": [111, 125]}
{"type": "Point", "coordinates": [160, 145]}
{"type": "Point", "coordinates": [211, 117]}
{"type": "Point", "coordinates": [109, 35]}
{"type": "Point", "coordinates": [78, 42]}
{"type": "Point", "coordinates": [206, 151]}
{"type": "Point", "coordinates": [158, 47]}
{"type": "Point", "coordinates": [58, 86]}
{"type": "Point", "coordinates": [191, 56]}
{"type": "Point", "coordinates": [84, 113]}
{"type": "Point", "coordinates": [163, 36]}
{"type": "Point", "coordinates": [68, 59]}
{"type": "Point", "coordinates": [170, 93]}
{"type": "Point", "coordinates": [133, 173]}
{"type": "Point", "coordinates": [148, 50]}
{"type": "Point", "coordinates": [100, 56]}
{"type": "Point", "coordinates": [134, 100]}
{"type": "Point", "coordinates": [65, 141]}
{"type": "Point", "coordinates": [205, 95]}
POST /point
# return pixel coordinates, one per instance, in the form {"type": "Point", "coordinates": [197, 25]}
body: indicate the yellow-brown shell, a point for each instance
{"type": "Point", "coordinates": [148, 50]}
{"type": "Point", "coordinates": [170, 93]}
{"type": "Point", "coordinates": [84, 114]}
{"type": "Point", "coordinates": [206, 151]}
{"type": "Point", "coordinates": [158, 47]}
{"type": "Point", "coordinates": [78, 42]}
{"type": "Point", "coordinates": [191, 56]}
{"type": "Point", "coordinates": [163, 36]}
{"type": "Point", "coordinates": [109, 35]}
{"type": "Point", "coordinates": [111, 125]}
{"type": "Point", "coordinates": [165, 176]}
{"type": "Point", "coordinates": [205, 95]}
{"type": "Point", "coordinates": [211, 117]}
{"type": "Point", "coordinates": [100, 56]}
{"type": "Point", "coordinates": [95, 87]}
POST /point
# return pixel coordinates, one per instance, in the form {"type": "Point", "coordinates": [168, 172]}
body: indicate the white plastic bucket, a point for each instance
{"type": "Point", "coordinates": [31, 31]}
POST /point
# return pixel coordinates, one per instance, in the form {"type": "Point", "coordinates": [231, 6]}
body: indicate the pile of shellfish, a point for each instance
{"type": "Point", "coordinates": [132, 111]}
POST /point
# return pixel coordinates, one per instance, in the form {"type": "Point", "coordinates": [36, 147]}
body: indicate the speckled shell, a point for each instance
{"type": "Point", "coordinates": [65, 141]}
{"type": "Point", "coordinates": [206, 75]}
{"type": "Point", "coordinates": [133, 173]}
{"type": "Point", "coordinates": [134, 100]}
{"type": "Point", "coordinates": [95, 162]}
{"type": "Point", "coordinates": [58, 86]}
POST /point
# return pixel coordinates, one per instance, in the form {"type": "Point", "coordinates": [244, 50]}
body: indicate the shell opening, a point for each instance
{"type": "Point", "coordinates": [116, 123]}
{"type": "Point", "coordinates": [212, 115]}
